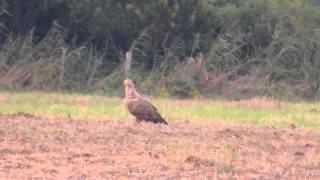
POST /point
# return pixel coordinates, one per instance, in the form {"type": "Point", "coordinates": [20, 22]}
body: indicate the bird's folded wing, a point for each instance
{"type": "Point", "coordinates": [142, 109]}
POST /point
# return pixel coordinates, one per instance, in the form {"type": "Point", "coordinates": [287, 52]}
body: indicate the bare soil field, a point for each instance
{"type": "Point", "coordinates": [63, 148]}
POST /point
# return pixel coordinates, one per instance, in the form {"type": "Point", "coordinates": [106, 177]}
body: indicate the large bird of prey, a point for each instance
{"type": "Point", "coordinates": [139, 107]}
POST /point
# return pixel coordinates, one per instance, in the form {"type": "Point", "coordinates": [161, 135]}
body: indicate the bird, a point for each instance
{"type": "Point", "coordinates": [139, 107]}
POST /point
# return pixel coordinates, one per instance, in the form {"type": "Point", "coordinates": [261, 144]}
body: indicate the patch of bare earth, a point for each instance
{"type": "Point", "coordinates": [35, 147]}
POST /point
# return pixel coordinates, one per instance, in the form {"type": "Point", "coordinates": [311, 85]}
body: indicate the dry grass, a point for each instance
{"type": "Point", "coordinates": [258, 103]}
{"type": "Point", "coordinates": [257, 111]}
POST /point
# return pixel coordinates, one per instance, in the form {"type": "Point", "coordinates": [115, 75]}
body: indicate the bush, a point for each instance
{"type": "Point", "coordinates": [80, 45]}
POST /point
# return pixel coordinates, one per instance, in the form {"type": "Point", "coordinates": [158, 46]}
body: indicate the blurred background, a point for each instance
{"type": "Point", "coordinates": [177, 48]}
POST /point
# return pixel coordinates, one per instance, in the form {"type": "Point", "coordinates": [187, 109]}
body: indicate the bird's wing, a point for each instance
{"type": "Point", "coordinates": [142, 109]}
{"type": "Point", "coordinates": [147, 103]}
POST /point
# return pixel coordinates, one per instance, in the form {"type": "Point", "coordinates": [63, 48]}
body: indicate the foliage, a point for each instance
{"type": "Point", "coordinates": [80, 45]}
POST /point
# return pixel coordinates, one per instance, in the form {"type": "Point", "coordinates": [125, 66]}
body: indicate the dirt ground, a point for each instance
{"type": "Point", "coordinates": [62, 148]}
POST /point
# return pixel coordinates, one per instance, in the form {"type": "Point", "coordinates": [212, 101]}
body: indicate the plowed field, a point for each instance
{"type": "Point", "coordinates": [60, 148]}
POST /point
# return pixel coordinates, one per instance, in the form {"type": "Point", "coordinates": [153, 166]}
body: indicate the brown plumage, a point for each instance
{"type": "Point", "coordinates": [139, 107]}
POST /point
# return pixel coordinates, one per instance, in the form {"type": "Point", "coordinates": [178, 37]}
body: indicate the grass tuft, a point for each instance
{"type": "Point", "coordinates": [265, 103]}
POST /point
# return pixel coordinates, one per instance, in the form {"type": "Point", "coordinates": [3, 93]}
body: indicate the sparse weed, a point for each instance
{"type": "Point", "coordinates": [59, 133]}
{"type": "Point", "coordinates": [29, 128]}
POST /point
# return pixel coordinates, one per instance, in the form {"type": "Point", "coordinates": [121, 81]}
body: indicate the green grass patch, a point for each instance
{"type": "Point", "coordinates": [301, 114]}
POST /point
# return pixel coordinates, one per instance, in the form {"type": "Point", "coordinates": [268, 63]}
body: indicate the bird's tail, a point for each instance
{"type": "Point", "coordinates": [160, 120]}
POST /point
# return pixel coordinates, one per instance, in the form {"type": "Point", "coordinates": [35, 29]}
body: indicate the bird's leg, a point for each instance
{"type": "Point", "coordinates": [138, 121]}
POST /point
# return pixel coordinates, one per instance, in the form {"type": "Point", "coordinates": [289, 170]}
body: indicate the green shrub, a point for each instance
{"type": "Point", "coordinates": [181, 88]}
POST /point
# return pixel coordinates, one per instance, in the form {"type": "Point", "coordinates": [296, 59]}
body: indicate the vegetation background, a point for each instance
{"type": "Point", "coordinates": [180, 48]}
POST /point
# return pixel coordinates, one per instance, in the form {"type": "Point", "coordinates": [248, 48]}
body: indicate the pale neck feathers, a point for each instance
{"type": "Point", "coordinates": [131, 93]}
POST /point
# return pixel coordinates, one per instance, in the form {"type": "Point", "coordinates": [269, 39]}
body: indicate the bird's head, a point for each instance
{"type": "Point", "coordinates": [129, 88]}
{"type": "Point", "coordinates": [128, 83]}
